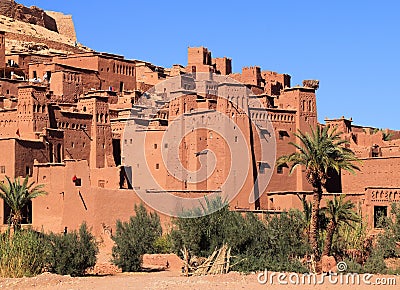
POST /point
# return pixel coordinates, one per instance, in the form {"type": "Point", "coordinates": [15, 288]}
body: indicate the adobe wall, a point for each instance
{"type": "Point", "coordinates": [68, 205]}
{"type": "Point", "coordinates": [9, 88]}
{"type": "Point", "coordinates": [251, 75]}
{"type": "Point", "coordinates": [26, 152]}
{"type": "Point", "coordinates": [118, 74]}
{"type": "Point", "coordinates": [223, 65]}
{"type": "Point", "coordinates": [113, 73]}
{"type": "Point", "coordinates": [199, 60]}
{"type": "Point", "coordinates": [7, 158]}
{"type": "Point", "coordinates": [65, 25]}
{"type": "Point", "coordinates": [8, 123]}
{"type": "Point", "coordinates": [275, 82]}
{"type": "Point", "coordinates": [284, 126]}
{"type": "Point", "coordinates": [378, 171]}
{"type": "Point", "coordinates": [77, 130]}
{"type": "Point", "coordinates": [2, 50]}
{"type": "Point", "coordinates": [67, 86]}
{"type": "Point", "coordinates": [146, 75]}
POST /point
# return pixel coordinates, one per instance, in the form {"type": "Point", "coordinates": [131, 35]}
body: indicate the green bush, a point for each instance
{"type": "Point", "coordinates": [275, 243]}
{"type": "Point", "coordinates": [375, 264]}
{"type": "Point", "coordinates": [71, 253]}
{"type": "Point", "coordinates": [21, 254]}
{"type": "Point", "coordinates": [163, 244]}
{"type": "Point", "coordinates": [353, 266]}
{"type": "Point", "coordinates": [135, 238]}
{"type": "Point", "coordinates": [386, 242]}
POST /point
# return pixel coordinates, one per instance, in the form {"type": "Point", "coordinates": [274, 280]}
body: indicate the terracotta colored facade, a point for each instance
{"type": "Point", "coordinates": [65, 124]}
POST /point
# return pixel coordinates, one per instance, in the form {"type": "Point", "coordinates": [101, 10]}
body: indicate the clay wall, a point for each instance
{"type": "Point", "coordinates": [8, 123]}
{"type": "Point", "coordinates": [65, 25]}
{"type": "Point", "coordinates": [251, 75]}
{"type": "Point", "coordinates": [223, 65]}
{"type": "Point", "coordinates": [68, 205]}
{"type": "Point", "coordinates": [379, 171]}
{"type": "Point", "coordinates": [7, 158]}
{"type": "Point", "coordinates": [199, 60]}
{"type": "Point", "coordinates": [275, 82]}
{"type": "Point", "coordinates": [2, 50]}
{"type": "Point", "coordinates": [9, 88]}
{"type": "Point", "coordinates": [77, 130]}
{"type": "Point", "coordinates": [26, 152]}
{"type": "Point", "coordinates": [115, 73]}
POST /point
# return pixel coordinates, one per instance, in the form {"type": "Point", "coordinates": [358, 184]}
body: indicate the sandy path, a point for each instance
{"type": "Point", "coordinates": [168, 280]}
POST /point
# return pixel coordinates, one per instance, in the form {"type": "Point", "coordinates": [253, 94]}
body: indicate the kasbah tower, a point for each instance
{"type": "Point", "coordinates": [63, 113]}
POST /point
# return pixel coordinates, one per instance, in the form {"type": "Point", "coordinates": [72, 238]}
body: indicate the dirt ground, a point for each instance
{"type": "Point", "coordinates": [169, 280]}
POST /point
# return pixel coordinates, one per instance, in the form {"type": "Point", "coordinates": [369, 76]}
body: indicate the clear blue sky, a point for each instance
{"type": "Point", "coordinates": [352, 47]}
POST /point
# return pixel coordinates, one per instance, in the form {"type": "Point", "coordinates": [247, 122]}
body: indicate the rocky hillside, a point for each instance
{"type": "Point", "coordinates": [32, 15]}
{"type": "Point", "coordinates": [34, 30]}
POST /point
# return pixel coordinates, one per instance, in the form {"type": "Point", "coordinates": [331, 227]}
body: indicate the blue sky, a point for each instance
{"type": "Point", "coordinates": [352, 47]}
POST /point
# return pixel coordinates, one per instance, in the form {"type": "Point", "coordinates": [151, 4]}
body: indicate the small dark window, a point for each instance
{"type": "Point", "coordinates": [78, 182]}
{"type": "Point", "coordinates": [283, 134]}
{"type": "Point", "coordinates": [279, 169]}
{"type": "Point", "coordinates": [2, 169]}
{"type": "Point", "coordinates": [380, 214]}
{"type": "Point", "coordinates": [155, 146]}
{"type": "Point", "coordinates": [157, 166]}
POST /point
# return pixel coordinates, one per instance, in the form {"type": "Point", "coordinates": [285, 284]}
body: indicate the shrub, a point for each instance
{"type": "Point", "coordinates": [375, 264]}
{"type": "Point", "coordinates": [163, 244]}
{"type": "Point", "coordinates": [21, 254]}
{"type": "Point", "coordinates": [275, 244]}
{"type": "Point", "coordinates": [135, 238]}
{"type": "Point", "coordinates": [72, 253]}
{"type": "Point", "coordinates": [353, 266]}
{"type": "Point", "coordinates": [386, 242]}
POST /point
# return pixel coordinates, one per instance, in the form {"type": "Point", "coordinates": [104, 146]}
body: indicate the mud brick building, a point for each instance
{"type": "Point", "coordinates": [63, 121]}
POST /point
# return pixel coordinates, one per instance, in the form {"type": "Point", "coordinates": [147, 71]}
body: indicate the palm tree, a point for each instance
{"type": "Point", "coordinates": [319, 152]}
{"type": "Point", "coordinates": [338, 211]}
{"type": "Point", "coordinates": [17, 196]}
